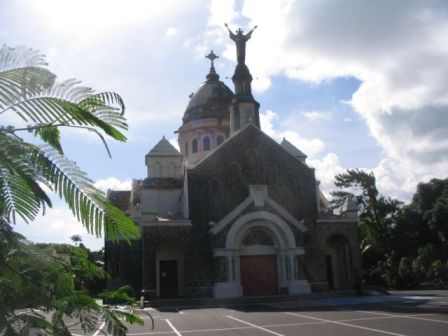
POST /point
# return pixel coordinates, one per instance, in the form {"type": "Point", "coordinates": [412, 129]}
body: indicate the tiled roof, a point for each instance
{"type": "Point", "coordinates": [163, 148]}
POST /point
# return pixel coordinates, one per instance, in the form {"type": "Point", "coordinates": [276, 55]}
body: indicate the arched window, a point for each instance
{"type": "Point", "coordinates": [219, 139]}
{"type": "Point", "coordinates": [194, 146]}
{"type": "Point", "coordinates": [206, 143]}
{"type": "Point", "coordinates": [186, 149]}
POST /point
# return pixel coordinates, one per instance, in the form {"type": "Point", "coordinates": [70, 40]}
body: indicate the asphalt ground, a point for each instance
{"type": "Point", "coordinates": [411, 313]}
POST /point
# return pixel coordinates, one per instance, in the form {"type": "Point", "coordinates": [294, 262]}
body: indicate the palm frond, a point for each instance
{"type": "Point", "coordinates": [87, 203]}
{"type": "Point", "coordinates": [68, 103]}
{"type": "Point", "coordinates": [27, 322]}
{"type": "Point", "coordinates": [20, 192]}
{"type": "Point", "coordinates": [20, 57]}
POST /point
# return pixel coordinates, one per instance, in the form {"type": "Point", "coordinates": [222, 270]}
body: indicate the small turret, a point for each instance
{"type": "Point", "coordinates": [163, 160]}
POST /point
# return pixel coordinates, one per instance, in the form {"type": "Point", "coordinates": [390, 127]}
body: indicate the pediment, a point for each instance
{"type": "Point", "coordinates": [258, 196]}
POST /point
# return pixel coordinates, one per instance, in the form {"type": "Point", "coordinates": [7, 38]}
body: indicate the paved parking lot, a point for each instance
{"type": "Point", "coordinates": [424, 313]}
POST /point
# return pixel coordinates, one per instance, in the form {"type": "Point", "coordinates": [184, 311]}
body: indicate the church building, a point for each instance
{"type": "Point", "coordinates": [234, 213]}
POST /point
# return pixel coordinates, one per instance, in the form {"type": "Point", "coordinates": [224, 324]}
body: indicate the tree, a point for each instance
{"type": "Point", "coordinates": [377, 219]}
{"type": "Point", "coordinates": [431, 200]}
{"type": "Point", "coordinates": [30, 93]}
{"type": "Point", "coordinates": [377, 212]}
{"type": "Point", "coordinates": [76, 238]}
{"type": "Point", "coordinates": [38, 290]}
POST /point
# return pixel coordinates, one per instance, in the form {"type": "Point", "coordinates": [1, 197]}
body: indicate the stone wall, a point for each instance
{"type": "Point", "coordinates": [128, 255]}
{"type": "Point", "coordinates": [315, 245]}
{"type": "Point", "coordinates": [221, 182]}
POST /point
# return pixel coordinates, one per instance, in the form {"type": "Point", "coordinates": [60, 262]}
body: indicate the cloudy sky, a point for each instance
{"type": "Point", "coordinates": [352, 83]}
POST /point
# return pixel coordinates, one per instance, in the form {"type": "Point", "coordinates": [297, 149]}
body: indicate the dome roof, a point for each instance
{"type": "Point", "coordinates": [211, 100]}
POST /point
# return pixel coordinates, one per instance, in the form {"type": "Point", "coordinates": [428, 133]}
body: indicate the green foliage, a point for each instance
{"type": "Point", "coordinates": [123, 295]}
{"type": "Point", "coordinates": [403, 246]}
{"type": "Point", "coordinates": [439, 274]}
{"type": "Point", "coordinates": [42, 289]}
{"type": "Point", "coordinates": [31, 278]}
{"type": "Point", "coordinates": [30, 91]}
{"type": "Point", "coordinates": [406, 273]}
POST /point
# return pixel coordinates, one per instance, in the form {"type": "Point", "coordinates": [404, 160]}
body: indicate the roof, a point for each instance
{"type": "Point", "coordinates": [248, 130]}
{"type": "Point", "coordinates": [163, 148]}
{"type": "Point", "coordinates": [291, 149]}
{"type": "Point", "coordinates": [120, 198]}
{"type": "Point", "coordinates": [163, 183]}
{"type": "Point", "coordinates": [211, 100]}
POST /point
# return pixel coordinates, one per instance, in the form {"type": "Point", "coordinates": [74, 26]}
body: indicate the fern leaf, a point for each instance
{"type": "Point", "coordinates": [73, 185]}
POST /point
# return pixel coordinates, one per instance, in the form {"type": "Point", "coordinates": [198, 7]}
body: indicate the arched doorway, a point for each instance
{"type": "Point", "coordinates": [259, 258]}
{"type": "Point", "coordinates": [338, 261]}
{"type": "Point", "coordinates": [170, 269]}
{"type": "Point", "coordinates": [261, 242]}
{"type": "Point", "coordinates": [259, 262]}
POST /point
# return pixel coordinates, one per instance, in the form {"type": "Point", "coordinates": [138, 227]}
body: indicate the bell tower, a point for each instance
{"type": "Point", "coordinates": [244, 109]}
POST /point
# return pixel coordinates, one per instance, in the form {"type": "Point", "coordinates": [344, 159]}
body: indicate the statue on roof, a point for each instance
{"type": "Point", "coordinates": [240, 40]}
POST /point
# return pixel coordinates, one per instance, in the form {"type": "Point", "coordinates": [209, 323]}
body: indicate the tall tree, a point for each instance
{"type": "Point", "coordinates": [33, 103]}
{"type": "Point", "coordinates": [377, 216]}
{"type": "Point", "coordinates": [76, 238]}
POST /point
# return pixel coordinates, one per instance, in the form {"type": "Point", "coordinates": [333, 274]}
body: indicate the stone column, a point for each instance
{"type": "Point", "coordinates": [237, 270]}
{"type": "Point", "coordinates": [292, 269]}
{"type": "Point", "coordinates": [229, 268]}
{"type": "Point", "coordinates": [296, 268]}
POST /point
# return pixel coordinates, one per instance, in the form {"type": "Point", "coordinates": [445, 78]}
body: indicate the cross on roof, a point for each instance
{"type": "Point", "coordinates": [212, 56]}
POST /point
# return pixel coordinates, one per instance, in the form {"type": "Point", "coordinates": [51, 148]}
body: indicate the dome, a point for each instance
{"type": "Point", "coordinates": [211, 100]}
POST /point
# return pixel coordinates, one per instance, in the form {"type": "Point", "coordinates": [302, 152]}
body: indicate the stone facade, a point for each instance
{"type": "Point", "coordinates": [239, 216]}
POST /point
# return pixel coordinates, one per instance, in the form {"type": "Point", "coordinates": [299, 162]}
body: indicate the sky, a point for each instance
{"type": "Point", "coordinates": [351, 83]}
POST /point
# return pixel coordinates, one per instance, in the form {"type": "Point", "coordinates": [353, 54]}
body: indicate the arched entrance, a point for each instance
{"type": "Point", "coordinates": [259, 262]}
{"type": "Point", "coordinates": [338, 262]}
{"type": "Point", "coordinates": [170, 269]}
{"type": "Point", "coordinates": [264, 251]}
{"type": "Point", "coordinates": [259, 258]}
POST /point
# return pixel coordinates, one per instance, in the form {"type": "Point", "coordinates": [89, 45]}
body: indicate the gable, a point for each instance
{"type": "Point", "coordinates": [221, 180]}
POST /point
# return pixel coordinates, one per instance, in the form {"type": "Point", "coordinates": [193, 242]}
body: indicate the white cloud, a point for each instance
{"type": "Point", "coordinates": [170, 32]}
{"type": "Point", "coordinates": [311, 147]}
{"type": "Point", "coordinates": [57, 226]}
{"type": "Point", "coordinates": [113, 183]}
{"type": "Point", "coordinates": [395, 49]}
{"type": "Point", "coordinates": [317, 115]}
{"type": "Point", "coordinates": [326, 169]}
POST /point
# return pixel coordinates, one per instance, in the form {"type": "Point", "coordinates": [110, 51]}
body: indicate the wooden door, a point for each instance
{"type": "Point", "coordinates": [259, 275]}
{"type": "Point", "coordinates": [168, 278]}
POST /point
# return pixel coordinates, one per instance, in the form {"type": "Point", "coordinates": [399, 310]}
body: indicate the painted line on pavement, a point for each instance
{"type": "Point", "coordinates": [99, 329]}
{"type": "Point", "coordinates": [173, 328]}
{"type": "Point", "coordinates": [406, 316]}
{"type": "Point", "coordinates": [272, 325]}
{"type": "Point", "coordinates": [263, 326]}
{"type": "Point", "coordinates": [346, 324]}
{"type": "Point", "coordinates": [254, 325]}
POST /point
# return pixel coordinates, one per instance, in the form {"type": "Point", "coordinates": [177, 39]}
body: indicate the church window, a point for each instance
{"type": "Point", "coordinates": [219, 139]}
{"type": "Point", "coordinates": [186, 149]}
{"type": "Point", "coordinates": [194, 146]}
{"type": "Point", "coordinates": [206, 143]}
{"type": "Point", "coordinates": [258, 237]}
